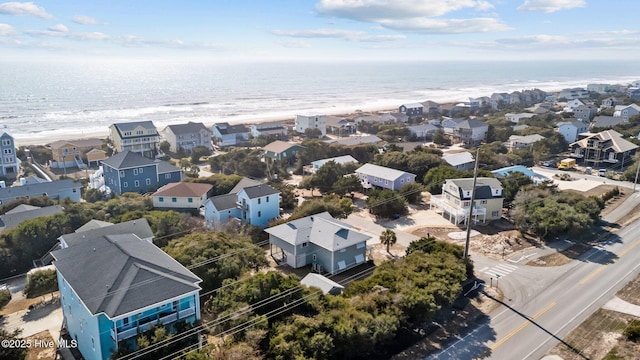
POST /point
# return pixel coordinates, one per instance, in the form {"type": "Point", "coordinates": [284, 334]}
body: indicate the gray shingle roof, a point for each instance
{"type": "Point", "coordinates": [471, 124]}
{"type": "Point", "coordinates": [356, 140]}
{"type": "Point", "coordinates": [139, 227]}
{"type": "Point", "coordinates": [118, 274]}
{"type": "Point", "coordinates": [51, 188]}
{"type": "Point", "coordinates": [188, 128]}
{"type": "Point", "coordinates": [260, 191]}
{"type": "Point", "coordinates": [244, 182]}
{"type": "Point", "coordinates": [165, 167]}
{"type": "Point", "coordinates": [22, 213]}
{"type": "Point", "coordinates": [320, 229]}
{"type": "Point", "coordinates": [224, 202]}
{"type": "Point", "coordinates": [127, 159]}
{"type": "Point", "coordinates": [483, 187]}
{"type": "Point", "coordinates": [225, 128]}
{"type": "Point", "coordinates": [606, 121]}
{"type": "Point", "coordinates": [129, 126]}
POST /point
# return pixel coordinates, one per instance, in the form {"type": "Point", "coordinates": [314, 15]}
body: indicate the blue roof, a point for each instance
{"type": "Point", "coordinates": [503, 172]}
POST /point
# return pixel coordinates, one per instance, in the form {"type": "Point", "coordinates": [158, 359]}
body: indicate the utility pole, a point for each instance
{"type": "Point", "coordinates": [635, 181]}
{"type": "Point", "coordinates": [473, 199]}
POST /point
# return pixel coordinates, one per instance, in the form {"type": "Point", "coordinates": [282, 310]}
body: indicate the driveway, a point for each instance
{"type": "Point", "coordinates": [46, 317]}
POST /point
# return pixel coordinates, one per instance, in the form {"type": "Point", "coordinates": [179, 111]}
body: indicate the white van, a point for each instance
{"type": "Point", "coordinates": [602, 172]}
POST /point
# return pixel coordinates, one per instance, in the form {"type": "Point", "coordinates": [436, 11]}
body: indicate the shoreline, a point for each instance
{"type": "Point", "coordinates": [35, 141]}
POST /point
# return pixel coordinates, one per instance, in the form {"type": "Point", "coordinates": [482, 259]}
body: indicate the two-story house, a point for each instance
{"type": "Point", "coordinates": [585, 112]}
{"type": "Point", "coordinates": [250, 202]}
{"type": "Point", "coordinates": [339, 126]}
{"type": "Point", "coordinates": [115, 287]}
{"type": "Point", "coordinates": [470, 131]}
{"type": "Point", "coordinates": [141, 137]}
{"type": "Point", "coordinates": [56, 190]}
{"type": "Point", "coordinates": [230, 135]}
{"type": "Point", "coordinates": [181, 196]}
{"type": "Point", "coordinates": [626, 111]}
{"type": "Point", "coordinates": [276, 130]}
{"type": "Point", "coordinates": [413, 109]}
{"type": "Point", "coordinates": [604, 149]}
{"type": "Point", "coordinates": [423, 131]}
{"type": "Point", "coordinates": [518, 142]}
{"type": "Point", "coordinates": [187, 136]}
{"type": "Point", "coordinates": [131, 172]}
{"type": "Point", "coordinates": [74, 153]}
{"type": "Point", "coordinates": [460, 161]}
{"type": "Point", "coordinates": [311, 121]}
{"type": "Point", "coordinates": [8, 159]}
{"type": "Point", "coordinates": [328, 245]}
{"type": "Point", "coordinates": [455, 201]}
{"type": "Point", "coordinates": [371, 175]}
{"type": "Point", "coordinates": [571, 130]}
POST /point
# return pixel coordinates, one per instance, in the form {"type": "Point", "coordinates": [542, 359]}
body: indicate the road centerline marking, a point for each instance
{"type": "Point", "coordinates": [592, 275]}
{"type": "Point", "coordinates": [522, 326]}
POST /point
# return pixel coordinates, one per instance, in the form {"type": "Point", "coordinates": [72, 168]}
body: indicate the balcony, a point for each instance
{"type": "Point", "coordinates": [242, 206]}
{"type": "Point", "coordinates": [124, 334]}
{"type": "Point", "coordinates": [186, 313]}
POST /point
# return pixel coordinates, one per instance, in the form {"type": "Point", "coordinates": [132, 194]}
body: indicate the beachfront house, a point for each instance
{"type": "Point", "coordinates": [131, 172]}
{"type": "Point", "coordinates": [249, 202]}
{"type": "Point", "coordinates": [225, 134]}
{"type": "Point", "coordinates": [187, 136]}
{"type": "Point", "coordinates": [181, 196]}
{"type": "Point", "coordinates": [55, 190]}
{"type": "Point", "coordinates": [383, 177]}
{"type": "Point", "coordinates": [324, 243]}
{"type": "Point", "coordinates": [9, 160]}
{"type": "Point", "coordinates": [455, 201]}
{"type": "Point", "coordinates": [111, 296]}
{"type": "Point", "coordinates": [449, 124]}
{"type": "Point", "coordinates": [606, 149]}
{"type": "Point", "coordinates": [276, 130]}
{"type": "Point", "coordinates": [140, 137]}
{"type": "Point", "coordinates": [574, 93]}
{"type": "Point", "coordinates": [460, 161]}
{"type": "Point", "coordinates": [412, 109]}
{"type": "Point", "coordinates": [339, 126]}
{"type": "Point", "coordinates": [342, 160]}
{"type": "Point", "coordinates": [311, 121]}
{"type": "Point", "coordinates": [74, 153]}
{"type": "Point", "coordinates": [281, 150]}
{"type": "Point", "coordinates": [570, 130]}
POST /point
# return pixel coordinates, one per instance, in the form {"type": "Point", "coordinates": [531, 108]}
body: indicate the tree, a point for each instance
{"type": "Point", "coordinates": [512, 183]}
{"type": "Point", "coordinates": [288, 198]}
{"type": "Point", "coordinates": [436, 177]}
{"type": "Point", "coordinates": [40, 283]}
{"type": "Point", "coordinates": [313, 133]}
{"type": "Point", "coordinates": [386, 203]}
{"type": "Point", "coordinates": [12, 352]}
{"type": "Point", "coordinates": [5, 297]}
{"type": "Point", "coordinates": [388, 238]}
{"type": "Point", "coordinates": [412, 192]}
{"type": "Point", "coordinates": [198, 152]}
{"type": "Point", "coordinates": [347, 184]}
{"type": "Point", "coordinates": [440, 138]}
{"type": "Point", "coordinates": [165, 146]}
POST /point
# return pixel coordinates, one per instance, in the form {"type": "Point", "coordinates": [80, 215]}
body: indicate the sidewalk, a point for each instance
{"type": "Point", "coordinates": [621, 306]}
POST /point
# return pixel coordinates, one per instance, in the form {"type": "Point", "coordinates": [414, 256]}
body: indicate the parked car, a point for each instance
{"type": "Point", "coordinates": [602, 172]}
{"type": "Point", "coordinates": [588, 170]}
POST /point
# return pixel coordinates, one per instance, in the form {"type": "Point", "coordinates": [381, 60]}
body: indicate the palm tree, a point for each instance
{"type": "Point", "coordinates": [388, 238]}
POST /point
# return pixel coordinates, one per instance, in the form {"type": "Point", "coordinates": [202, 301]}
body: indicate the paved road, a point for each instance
{"type": "Point", "coordinates": [542, 305]}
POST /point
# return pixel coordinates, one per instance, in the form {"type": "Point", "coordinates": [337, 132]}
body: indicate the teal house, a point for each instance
{"type": "Point", "coordinates": [281, 150]}
{"type": "Point", "coordinates": [115, 287]}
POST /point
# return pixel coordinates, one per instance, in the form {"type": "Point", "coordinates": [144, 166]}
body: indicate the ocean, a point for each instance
{"type": "Point", "coordinates": [52, 100]}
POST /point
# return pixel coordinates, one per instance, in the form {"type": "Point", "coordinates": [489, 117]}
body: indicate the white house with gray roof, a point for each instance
{"type": "Point", "coordinates": [187, 136]}
{"type": "Point", "coordinates": [371, 175]}
{"type": "Point", "coordinates": [461, 161]}
{"type": "Point", "coordinates": [328, 245]}
{"type": "Point", "coordinates": [455, 201]}
{"type": "Point", "coordinates": [114, 287]}
{"type": "Point", "coordinates": [571, 130]}
{"type": "Point", "coordinates": [250, 202]}
{"type": "Point", "coordinates": [423, 131]}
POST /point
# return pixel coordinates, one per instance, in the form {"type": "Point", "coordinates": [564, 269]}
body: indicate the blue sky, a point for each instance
{"type": "Point", "coordinates": [322, 30]}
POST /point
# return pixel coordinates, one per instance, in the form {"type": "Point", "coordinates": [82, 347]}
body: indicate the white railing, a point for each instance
{"type": "Point", "coordinates": [126, 334]}
{"type": "Point", "coordinates": [186, 313]}
{"type": "Point", "coordinates": [168, 319]}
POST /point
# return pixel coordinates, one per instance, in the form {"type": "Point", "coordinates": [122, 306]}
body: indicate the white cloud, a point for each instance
{"type": "Point", "coordinates": [544, 42]}
{"type": "Point", "coordinates": [446, 26]}
{"type": "Point", "coordinates": [86, 20]}
{"type": "Point", "coordinates": [59, 28]}
{"type": "Point", "coordinates": [372, 10]}
{"type": "Point", "coordinates": [6, 29]}
{"type": "Point", "coordinates": [24, 9]}
{"type": "Point", "coordinates": [350, 35]}
{"type": "Point", "coordinates": [550, 6]}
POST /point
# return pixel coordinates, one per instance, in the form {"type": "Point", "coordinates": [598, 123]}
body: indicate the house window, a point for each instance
{"type": "Point", "coordinates": [93, 344]}
{"type": "Point", "coordinates": [8, 151]}
{"type": "Point", "coordinates": [495, 213]}
{"type": "Point", "coordinates": [74, 190]}
{"type": "Point", "coordinates": [267, 199]}
{"type": "Point", "coordinates": [125, 322]}
{"type": "Point", "coordinates": [259, 201]}
{"type": "Point", "coordinates": [386, 182]}
{"type": "Point", "coordinates": [466, 203]}
{"type": "Point", "coordinates": [174, 199]}
{"type": "Point", "coordinates": [314, 257]}
{"type": "Point", "coordinates": [148, 181]}
{"type": "Point", "coordinates": [161, 199]}
{"type": "Point", "coordinates": [125, 184]}
{"type": "Point", "coordinates": [6, 142]}
{"type": "Point", "coordinates": [190, 200]}
{"type": "Point", "coordinates": [360, 245]}
{"type": "Point", "coordinates": [140, 170]}
{"type": "Point", "coordinates": [167, 176]}
{"type": "Point", "coordinates": [136, 183]}
{"type": "Point", "coordinates": [259, 213]}
{"type": "Point", "coordinates": [401, 181]}
{"type": "Point", "coordinates": [305, 244]}
{"type": "Point", "coordinates": [135, 171]}
{"type": "Point", "coordinates": [121, 173]}
{"type": "Point", "coordinates": [343, 250]}
{"type": "Point", "coordinates": [483, 202]}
